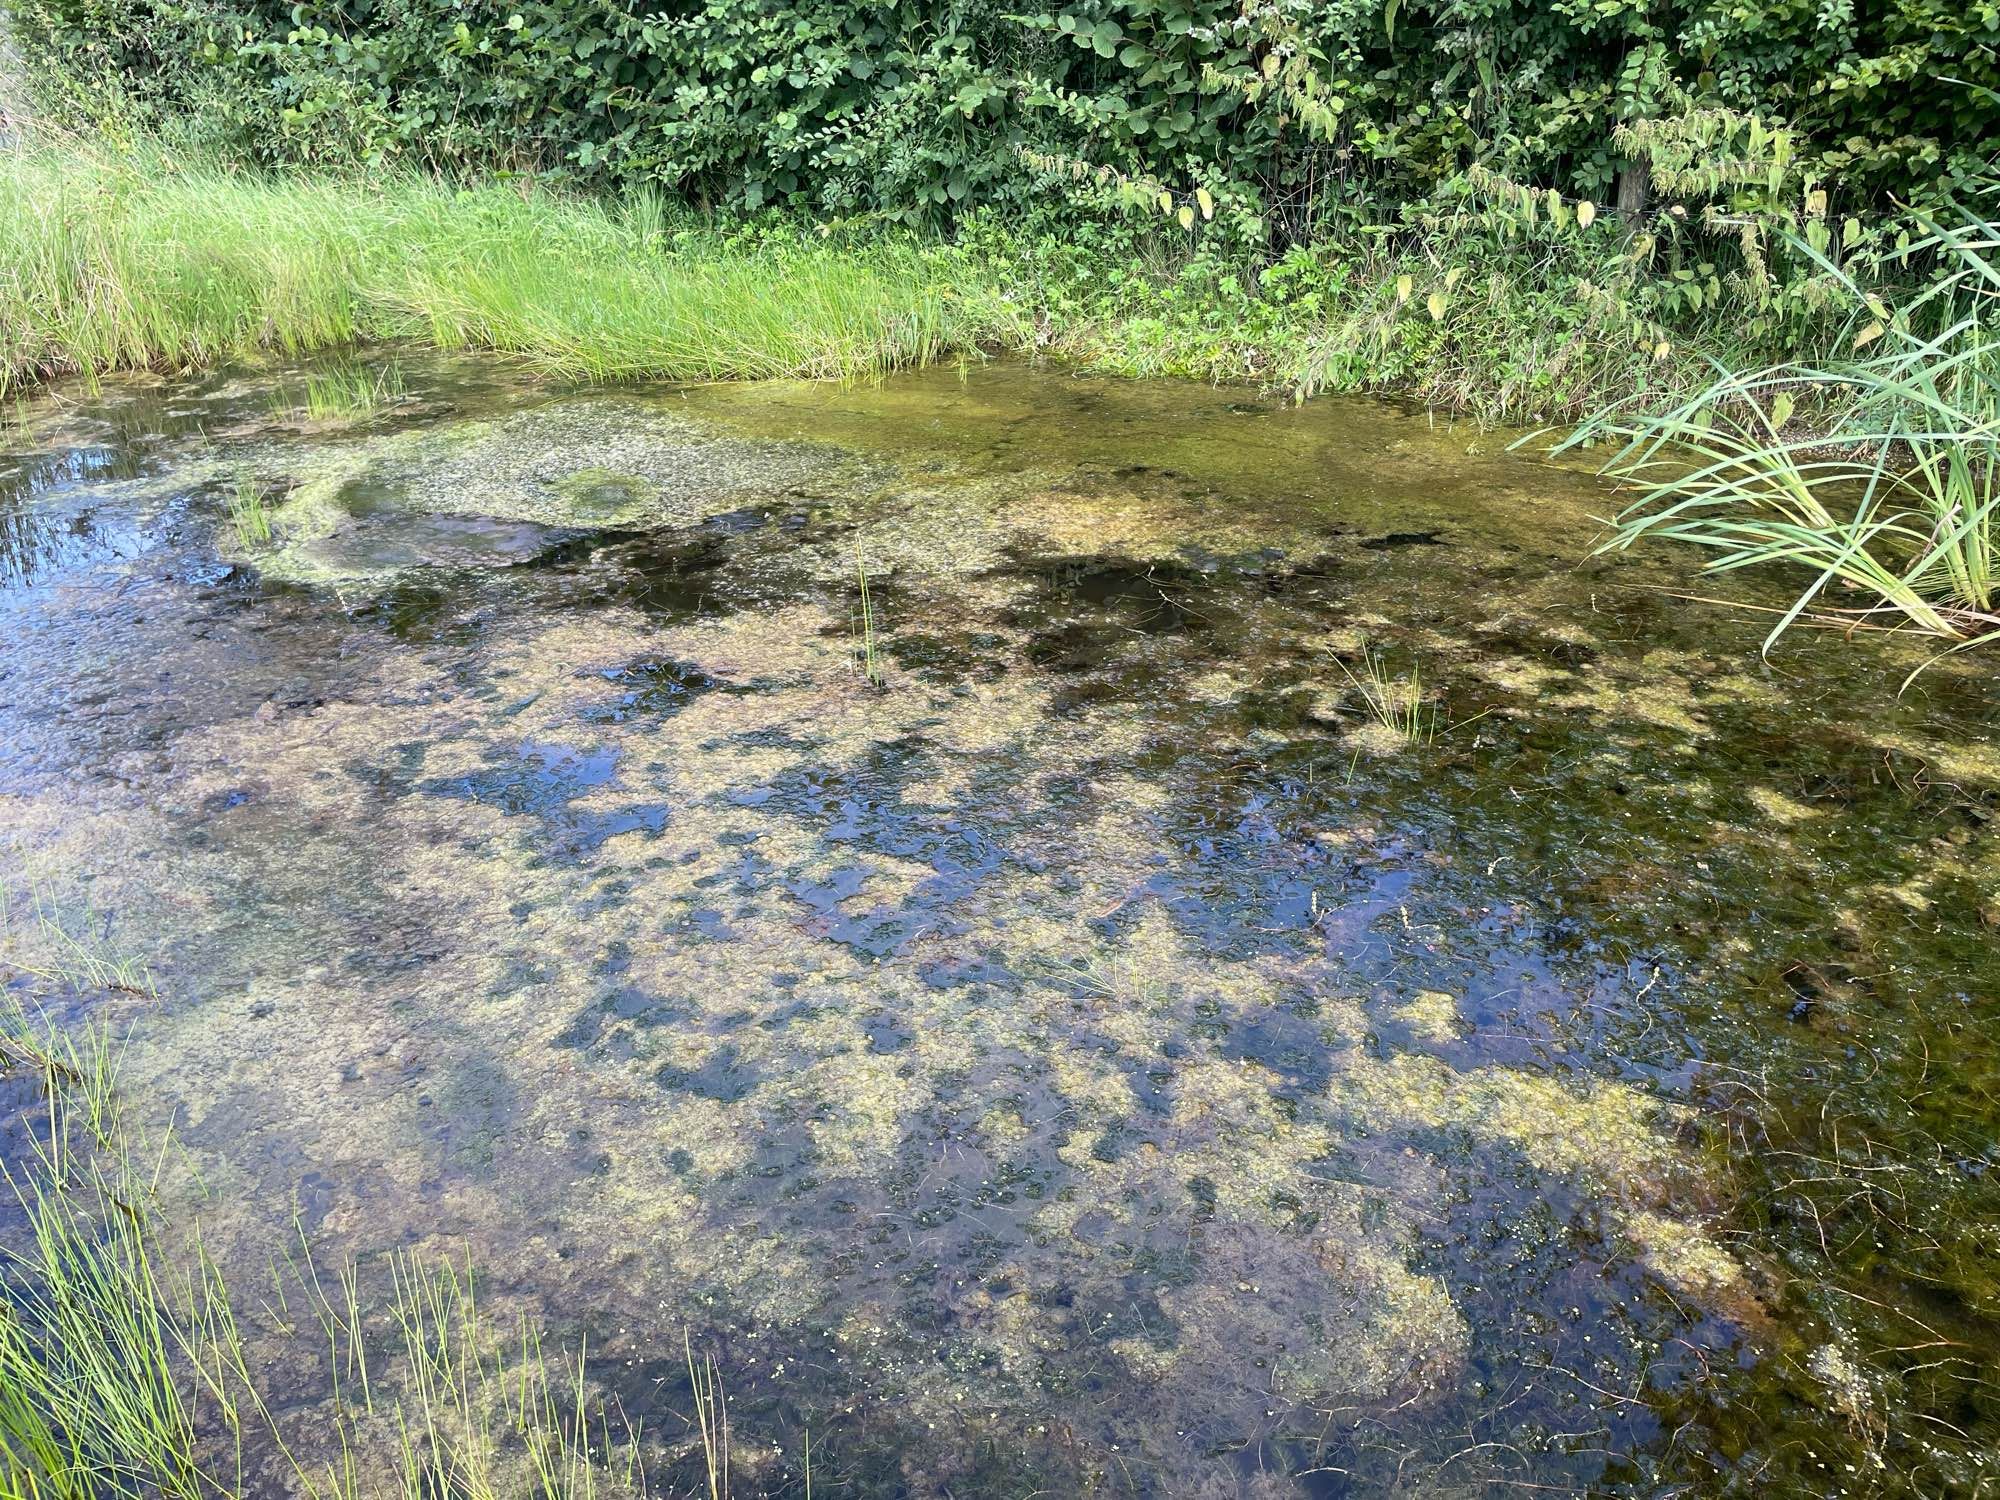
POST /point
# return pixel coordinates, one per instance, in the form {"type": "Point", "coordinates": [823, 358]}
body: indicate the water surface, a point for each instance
{"type": "Point", "coordinates": [1098, 1057]}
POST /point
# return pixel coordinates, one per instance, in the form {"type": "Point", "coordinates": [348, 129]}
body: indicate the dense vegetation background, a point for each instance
{"type": "Point", "coordinates": [1289, 111]}
{"type": "Point", "coordinates": [1517, 205]}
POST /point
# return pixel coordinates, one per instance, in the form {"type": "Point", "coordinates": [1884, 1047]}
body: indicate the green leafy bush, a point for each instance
{"type": "Point", "coordinates": [1285, 115]}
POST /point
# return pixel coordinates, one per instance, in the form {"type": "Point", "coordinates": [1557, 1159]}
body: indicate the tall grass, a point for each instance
{"type": "Point", "coordinates": [1890, 502]}
{"type": "Point", "coordinates": [124, 1371]}
{"type": "Point", "coordinates": [126, 262]}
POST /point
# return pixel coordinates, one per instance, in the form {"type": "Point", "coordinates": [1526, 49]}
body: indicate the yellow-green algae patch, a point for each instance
{"type": "Point", "coordinates": [1976, 763]}
{"type": "Point", "coordinates": [1362, 463]}
{"type": "Point", "coordinates": [1609, 1131]}
{"type": "Point", "coordinates": [625, 462]}
{"type": "Point", "coordinates": [1779, 807]}
{"type": "Point", "coordinates": [1432, 1015]}
{"type": "Point", "coordinates": [1609, 1136]}
{"type": "Point", "coordinates": [1682, 1254]}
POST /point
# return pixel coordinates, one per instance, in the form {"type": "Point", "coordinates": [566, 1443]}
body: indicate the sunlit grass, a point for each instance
{"type": "Point", "coordinates": [148, 262]}
{"type": "Point", "coordinates": [1891, 503]}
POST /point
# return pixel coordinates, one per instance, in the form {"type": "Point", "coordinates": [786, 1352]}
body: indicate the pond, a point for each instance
{"type": "Point", "coordinates": [1043, 1030]}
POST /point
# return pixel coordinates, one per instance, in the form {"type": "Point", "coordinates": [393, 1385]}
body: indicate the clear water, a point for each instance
{"type": "Point", "coordinates": [1101, 1058]}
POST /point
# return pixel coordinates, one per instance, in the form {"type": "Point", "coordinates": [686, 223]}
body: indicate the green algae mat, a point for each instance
{"type": "Point", "coordinates": [1252, 966]}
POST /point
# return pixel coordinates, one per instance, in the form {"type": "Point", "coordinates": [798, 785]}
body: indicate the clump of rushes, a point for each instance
{"type": "Point", "coordinates": [248, 515]}
{"type": "Point", "coordinates": [66, 942]}
{"type": "Point", "coordinates": [344, 392]}
{"type": "Point", "coordinates": [1397, 706]}
{"type": "Point", "coordinates": [348, 392]}
{"type": "Point", "coordinates": [124, 1371]}
{"type": "Point", "coordinates": [91, 1402]}
{"type": "Point", "coordinates": [1893, 497]}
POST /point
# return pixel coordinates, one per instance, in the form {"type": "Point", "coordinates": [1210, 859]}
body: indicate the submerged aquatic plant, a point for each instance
{"type": "Point", "coordinates": [867, 650]}
{"type": "Point", "coordinates": [1895, 499]}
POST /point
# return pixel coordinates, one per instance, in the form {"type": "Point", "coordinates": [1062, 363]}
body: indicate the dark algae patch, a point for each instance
{"type": "Point", "coordinates": [1105, 1057]}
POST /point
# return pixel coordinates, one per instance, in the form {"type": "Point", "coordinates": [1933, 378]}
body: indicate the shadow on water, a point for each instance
{"type": "Point", "coordinates": [1104, 1056]}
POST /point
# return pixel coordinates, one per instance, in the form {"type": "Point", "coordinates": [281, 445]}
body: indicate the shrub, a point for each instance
{"type": "Point", "coordinates": [1281, 114]}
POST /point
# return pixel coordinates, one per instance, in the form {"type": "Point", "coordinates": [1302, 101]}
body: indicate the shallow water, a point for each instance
{"type": "Point", "coordinates": [1099, 1057]}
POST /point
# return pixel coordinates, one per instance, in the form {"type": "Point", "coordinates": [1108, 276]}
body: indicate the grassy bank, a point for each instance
{"type": "Point", "coordinates": [145, 260]}
{"type": "Point", "coordinates": [111, 264]}
{"type": "Point", "coordinates": [142, 260]}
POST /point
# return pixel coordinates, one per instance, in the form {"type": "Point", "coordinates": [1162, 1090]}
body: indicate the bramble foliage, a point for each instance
{"type": "Point", "coordinates": [1279, 112]}
{"type": "Point", "coordinates": [1502, 203]}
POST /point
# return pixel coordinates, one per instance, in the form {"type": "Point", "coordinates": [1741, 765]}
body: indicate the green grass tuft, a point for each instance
{"type": "Point", "coordinates": [346, 392]}
{"type": "Point", "coordinates": [249, 516]}
{"type": "Point", "coordinates": [1397, 704]}
{"type": "Point", "coordinates": [124, 1371]}
{"type": "Point", "coordinates": [1891, 502]}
